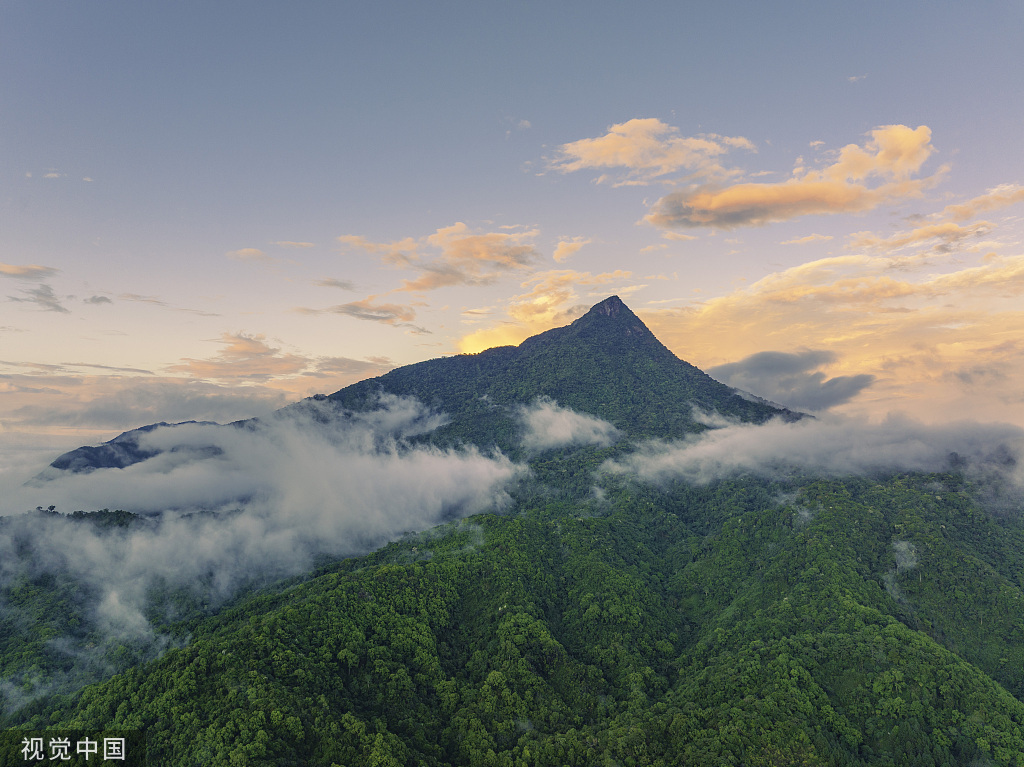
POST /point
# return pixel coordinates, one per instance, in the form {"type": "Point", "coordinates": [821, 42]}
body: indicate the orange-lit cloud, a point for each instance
{"type": "Point", "coordinates": [369, 309]}
{"type": "Point", "coordinates": [932, 341]}
{"type": "Point", "coordinates": [808, 239]}
{"type": "Point", "coordinates": [647, 148]}
{"type": "Point", "coordinates": [396, 253]}
{"type": "Point", "coordinates": [243, 358]}
{"type": "Point", "coordinates": [27, 271]}
{"type": "Point", "coordinates": [454, 255]}
{"type": "Point", "coordinates": [945, 235]}
{"type": "Point", "coordinates": [998, 197]}
{"type": "Point", "coordinates": [249, 254]}
{"type": "Point", "coordinates": [248, 358]}
{"type": "Point", "coordinates": [893, 155]}
{"type": "Point", "coordinates": [472, 259]}
{"type": "Point", "coordinates": [568, 246]}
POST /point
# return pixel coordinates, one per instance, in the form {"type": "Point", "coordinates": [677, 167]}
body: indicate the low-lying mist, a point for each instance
{"type": "Point", "coordinates": [833, 446]}
{"type": "Point", "coordinates": [227, 507]}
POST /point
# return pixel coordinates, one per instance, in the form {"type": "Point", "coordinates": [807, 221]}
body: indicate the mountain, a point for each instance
{"type": "Point", "coordinates": [797, 620]}
{"type": "Point", "coordinates": [607, 364]}
{"type": "Point", "coordinates": [832, 623]}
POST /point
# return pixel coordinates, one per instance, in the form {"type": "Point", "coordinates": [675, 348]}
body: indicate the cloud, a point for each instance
{"type": "Point", "coordinates": [97, 300]}
{"type": "Point", "coordinates": [27, 271]}
{"type": "Point", "coordinates": [454, 255]}
{"type": "Point", "coordinates": [648, 149]}
{"type": "Point", "coordinates": [792, 379]}
{"type": "Point", "coordinates": [551, 301]}
{"type": "Point", "coordinates": [893, 154]}
{"type": "Point", "coordinates": [569, 246]}
{"type": "Point", "coordinates": [547, 425]}
{"type": "Point", "coordinates": [330, 366]}
{"type": "Point", "coordinates": [249, 358]}
{"type": "Point", "coordinates": [251, 255]}
{"type": "Point", "coordinates": [245, 357]}
{"type": "Point", "coordinates": [947, 236]}
{"type": "Point", "coordinates": [808, 239]}
{"type": "Point", "coordinates": [331, 282]}
{"type": "Point", "coordinates": [135, 297]}
{"type": "Point", "coordinates": [397, 253]}
{"type": "Point", "coordinates": [472, 259]}
{"type": "Point", "coordinates": [294, 488]}
{"type": "Point", "coordinates": [833, 446]}
{"type": "Point", "coordinates": [906, 327]}
{"type": "Point", "coordinates": [43, 297]}
{"type": "Point", "coordinates": [998, 197]}
{"type": "Point", "coordinates": [108, 403]}
{"type": "Point", "coordinates": [366, 309]}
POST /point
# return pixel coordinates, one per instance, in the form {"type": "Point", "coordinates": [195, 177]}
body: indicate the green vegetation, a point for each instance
{"type": "Point", "coordinates": [840, 622]}
{"type": "Point", "coordinates": [607, 364]}
{"type": "Point", "coordinates": [597, 621]}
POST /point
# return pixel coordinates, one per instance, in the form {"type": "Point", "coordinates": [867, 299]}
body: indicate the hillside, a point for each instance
{"type": "Point", "coordinates": [592, 614]}
{"type": "Point", "coordinates": [606, 363]}
{"type": "Point", "coordinates": [691, 626]}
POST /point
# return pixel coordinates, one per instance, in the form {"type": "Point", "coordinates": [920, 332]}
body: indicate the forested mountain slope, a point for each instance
{"type": "Point", "coordinates": [839, 622]}
{"type": "Point", "coordinates": [596, 615]}
{"type": "Point", "coordinates": [606, 363]}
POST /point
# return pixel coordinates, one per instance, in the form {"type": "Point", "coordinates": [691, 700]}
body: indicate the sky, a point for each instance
{"type": "Point", "coordinates": [209, 210]}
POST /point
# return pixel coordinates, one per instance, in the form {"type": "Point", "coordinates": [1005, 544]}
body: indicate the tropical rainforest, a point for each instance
{"type": "Point", "coordinates": [595, 616]}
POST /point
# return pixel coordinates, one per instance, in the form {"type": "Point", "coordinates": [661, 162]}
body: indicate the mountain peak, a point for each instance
{"type": "Point", "coordinates": [607, 364]}
{"type": "Point", "coordinates": [612, 306]}
{"type": "Point", "coordinates": [609, 320]}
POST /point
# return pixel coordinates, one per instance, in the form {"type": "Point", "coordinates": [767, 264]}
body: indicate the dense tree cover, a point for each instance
{"type": "Point", "coordinates": [598, 621]}
{"type": "Point", "coordinates": [836, 622]}
{"type": "Point", "coordinates": [606, 363]}
{"type": "Point", "coordinates": [47, 640]}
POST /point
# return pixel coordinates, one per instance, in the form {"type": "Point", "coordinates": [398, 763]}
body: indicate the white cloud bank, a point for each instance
{"type": "Point", "coordinates": [832, 446]}
{"type": "Point", "coordinates": [293, 488]}
{"type": "Point", "coordinates": [547, 425]}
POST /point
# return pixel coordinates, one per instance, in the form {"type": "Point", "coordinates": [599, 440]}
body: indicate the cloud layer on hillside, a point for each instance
{"type": "Point", "coordinates": [231, 506]}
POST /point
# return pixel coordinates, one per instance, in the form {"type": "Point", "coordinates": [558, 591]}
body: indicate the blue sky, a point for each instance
{"type": "Point", "coordinates": [211, 209]}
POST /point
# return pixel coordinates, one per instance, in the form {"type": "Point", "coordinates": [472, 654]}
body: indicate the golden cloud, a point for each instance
{"type": "Point", "coordinates": [995, 198]}
{"type": "Point", "coordinates": [27, 271]}
{"type": "Point", "coordinates": [568, 246]}
{"type": "Point", "coordinates": [648, 148]}
{"type": "Point", "coordinates": [808, 239]}
{"type": "Point", "coordinates": [249, 359]}
{"type": "Point", "coordinates": [453, 255]}
{"type": "Point", "coordinates": [243, 358]}
{"type": "Point", "coordinates": [248, 254]}
{"type": "Point", "coordinates": [947, 233]}
{"type": "Point", "coordinates": [915, 333]}
{"type": "Point", "coordinates": [368, 309]}
{"type": "Point", "coordinates": [398, 253]}
{"type": "Point", "coordinates": [893, 154]}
